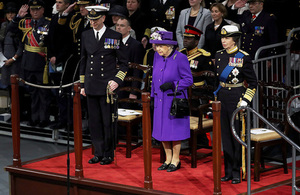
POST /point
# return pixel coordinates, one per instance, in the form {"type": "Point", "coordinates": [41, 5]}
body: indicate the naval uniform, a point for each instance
{"type": "Point", "coordinates": [135, 53]}
{"type": "Point", "coordinates": [164, 15]}
{"type": "Point", "coordinates": [258, 32]}
{"type": "Point", "coordinates": [96, 70]}
{"type": "Point", "coordinates": [77, 24]}
{"type": "Point", "coordinates": [230, 92]}
{"type": "Point", "coordinates": [34, 60]}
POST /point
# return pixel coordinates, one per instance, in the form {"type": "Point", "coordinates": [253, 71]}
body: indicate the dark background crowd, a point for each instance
{"type": "Point", "coordinates": [142, 16]}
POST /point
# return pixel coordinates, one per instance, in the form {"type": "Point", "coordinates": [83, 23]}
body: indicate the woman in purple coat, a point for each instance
{"type": "Point", "coordinates": [169, 67]}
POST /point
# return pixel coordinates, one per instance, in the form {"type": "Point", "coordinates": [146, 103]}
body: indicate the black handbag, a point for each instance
{"type": "Point", "coordinates": [180, 106]}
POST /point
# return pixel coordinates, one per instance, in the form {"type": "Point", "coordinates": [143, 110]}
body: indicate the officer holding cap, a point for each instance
{"type": "Point", "coordinates": [102, 48]}
{"type": "Point", "coordinates": [34, 60]}
{"type": "Point", "coordinates": [233, 68]}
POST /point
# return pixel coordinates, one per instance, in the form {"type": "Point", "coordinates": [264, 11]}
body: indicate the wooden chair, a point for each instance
{"type": "Point", "coordinates": [272, 104]}
{"type": "Point", "coordinates": [129, 122]}
{"type": "Point", "coordinates": [198, 123]}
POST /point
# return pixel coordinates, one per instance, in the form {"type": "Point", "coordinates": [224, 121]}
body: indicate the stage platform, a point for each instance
{"type": "Point", "coordinates": [49, 176]}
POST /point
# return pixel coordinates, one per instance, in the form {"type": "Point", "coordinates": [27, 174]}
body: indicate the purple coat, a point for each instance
{"type": "Point", "coordinates": [174, 68]}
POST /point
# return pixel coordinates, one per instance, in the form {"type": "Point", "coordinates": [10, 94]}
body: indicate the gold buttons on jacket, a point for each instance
{"type": "Point", "coordinates": [102, 75]}
{"type": "Point", "coordinates": [91, 75]}
{"type": "Point", "coordinates": [102, 56]}
{"type": "Point", "coordinates": [219, 59]}
{"type": "Point", "coordinates": [92, 56]}
{"type": "Point", "coordinates": [91, 69]}
{"type": "Point", "coordinates": [102, 69]}
{"type": "Point", "coordinates": [92, 62]}
{"type": "Point", "coordinates": [101, 62]}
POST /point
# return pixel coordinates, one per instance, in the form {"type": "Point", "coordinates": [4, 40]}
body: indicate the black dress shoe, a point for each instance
{"type": "Point", "coordinates": [172, 167]}
{"type": "Point", "coordinates": [163, 166]}
{"type": "Point", "coordinates": [43, 124]}
{"type": "Point", "coordinates": [94, 160]}
{"type": "Point", "coordinates": [236, 180]}
{"type": "Point", "coordinates": [106, 161]}
{"type": "Point", "coordinates": [32, 123]}
{"type": "Point", "coordinates": [58, 125]}
{"type": "Point", "coordinates": [226, 178]}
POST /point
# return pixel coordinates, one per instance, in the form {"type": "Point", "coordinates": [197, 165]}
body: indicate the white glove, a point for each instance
{"type": "Point", "coordinates": [243, 103]}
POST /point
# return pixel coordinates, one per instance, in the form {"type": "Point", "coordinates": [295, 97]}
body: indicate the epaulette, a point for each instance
{"type": "Point", "coordinates": [182, 50]}
{"type": "Point", "coordinates": [243, 52]}
{"type": "Point", "coordinates": [222, 50]}
{"type": "Point", "coordinates": [205, 53]}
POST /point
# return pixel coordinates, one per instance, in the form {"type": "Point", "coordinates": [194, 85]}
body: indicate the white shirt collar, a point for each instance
{"type": "Point", "coordinates": [257, 14]}
{"type": "Point", "coordinates": [101, 31]}
{"type": "Point", "coordinates": [124, 40]}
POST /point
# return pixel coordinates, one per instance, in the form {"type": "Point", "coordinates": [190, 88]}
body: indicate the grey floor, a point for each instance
{"type": "Point", "coordinates": [29, 150]}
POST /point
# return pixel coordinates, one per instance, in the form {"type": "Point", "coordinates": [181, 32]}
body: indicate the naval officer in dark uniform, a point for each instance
{"type": "Point", "coordinates": [233, 68]}
{"type": "Point", "coordinates": [258, 28]}
{"type": "Point", "coordinates": [102, 49]}
{"type": "Point", "coordinates": [78, 22]}
{"type": "Point", "coordinates": [34, 61]}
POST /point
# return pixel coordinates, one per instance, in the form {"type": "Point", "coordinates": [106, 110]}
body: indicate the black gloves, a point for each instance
{"type": "Point", "coordinates": [164, 87]}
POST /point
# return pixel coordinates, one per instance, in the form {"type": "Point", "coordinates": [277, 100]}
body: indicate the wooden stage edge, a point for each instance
{"type": "Point", "coordinates": [29, 181]}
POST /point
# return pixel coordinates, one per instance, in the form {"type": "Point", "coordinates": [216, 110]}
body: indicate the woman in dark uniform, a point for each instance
{"type": "Point", "coordinates": [234, 68]}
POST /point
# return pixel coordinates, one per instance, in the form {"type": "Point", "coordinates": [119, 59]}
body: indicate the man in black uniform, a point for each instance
{"type": "Point", "coordinates": [102, 48]}
{"type": "Point", "coordinates": [135, 53]}
{"type": "Point", "coordinates": [233, 67]}
{"type": "Point", "coordinates": [78, 22]}
{"type": "Point", "coordinates": [258, 28]}
{"type": "Point", "coordinates": [34, 60]}
{"type": "Point", "coordinates": [59, 50]}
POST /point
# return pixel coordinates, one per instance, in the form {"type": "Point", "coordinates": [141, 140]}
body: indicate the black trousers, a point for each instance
{"type": "Point", "coordinates": [40, 98]}
{"type": "Point", "coordinates": [100, 125]}
{"type": "Point", "coordinates": [231, 148]}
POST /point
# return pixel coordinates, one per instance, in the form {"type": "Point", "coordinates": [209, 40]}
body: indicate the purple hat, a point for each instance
{"type": "Point", "coordinates": [162, 37]}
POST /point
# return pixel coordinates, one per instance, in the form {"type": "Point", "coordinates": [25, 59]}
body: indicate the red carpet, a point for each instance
{"type": "Point", "coordinates": [184, 181]}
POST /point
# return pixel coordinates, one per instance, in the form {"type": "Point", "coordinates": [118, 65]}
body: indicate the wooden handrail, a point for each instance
{"type": "Point", "coordinates": [77, 122]}
{"type": "Point", "coordinates": [216, 107]}
{"type": "Point", "coordinates": [148, 184]}
{"type": "Point", "coordinates": [15, 120]}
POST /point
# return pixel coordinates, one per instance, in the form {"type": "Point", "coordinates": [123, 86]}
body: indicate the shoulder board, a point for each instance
{"type": "Point", "coordinates": [205, 53]}
{"type": "Point", "coordinates": [243, 52]}
{"type": "Point", "coordinates": [271, 14]}
{"type": "Point", "coordinates": [182, 50]}
{"type": "Point", "coordinates": [46, 18]}
{"type": "Point", "coordinates": [220, 50]}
